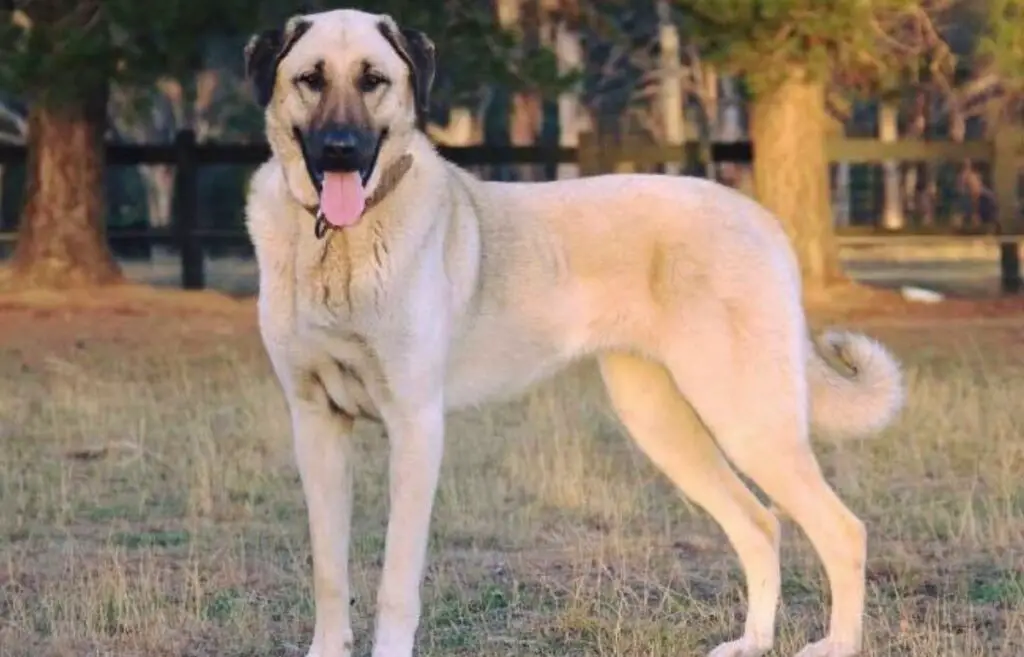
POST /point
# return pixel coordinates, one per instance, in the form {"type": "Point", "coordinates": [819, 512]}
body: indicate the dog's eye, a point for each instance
{"type": "Point", "coordinates": [313, 79]}
{"type": "Point", "coordinates": [371, 81]}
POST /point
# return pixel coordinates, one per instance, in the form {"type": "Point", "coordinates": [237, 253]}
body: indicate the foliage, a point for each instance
{"type": "Point", "coordinates": [1004, 41]}
{"type": "Point", "coordinates": [868, 45]}
{"type": "Point", "coordinates": [52, 51]}
{"type": "Point", "coordinates": [495, 55]}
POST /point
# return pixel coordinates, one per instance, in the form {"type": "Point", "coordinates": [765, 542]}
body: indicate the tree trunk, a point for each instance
{"type": "Point", "coordinates": [61, 237]}
{"type": "Point", "coordinates": [840, 189]}
{"type": "Point", "coordinates": [730, 129]}
{"type": "Point", "coordinates": [788, 130]}
{"type": "Point", "coordinates": [670, 89]}
{"type": "Point", "coordinates": [526, 110]}
{"type": "Point", "coordinates": [158, 179]}
{"type": "Point", "coordinates": [841, 204]}
{"type": "Point", "coordinates": [711, 102]}
{"type": "Point", "coordinates": [892, 200]}
{"type": "Point", "coordinates": [569, 51]}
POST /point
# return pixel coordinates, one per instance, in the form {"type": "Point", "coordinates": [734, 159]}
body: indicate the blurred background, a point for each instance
{"type": "Point", "coordinates": [908, 138]}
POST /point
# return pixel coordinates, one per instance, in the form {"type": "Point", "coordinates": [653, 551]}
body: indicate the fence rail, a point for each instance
{"type": "Point", "coordinates": [1004, 154]}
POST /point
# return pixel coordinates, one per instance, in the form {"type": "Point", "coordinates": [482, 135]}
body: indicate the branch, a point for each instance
{"type": "Point", "coordinates": [980, 86]}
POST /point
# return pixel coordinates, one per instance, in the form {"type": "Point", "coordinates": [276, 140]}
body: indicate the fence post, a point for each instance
{"type": "Point", "coordinates": [1005, 172]}
{"type": "Point", "coordinates": [609, 151]}
{"type": "Point", "coordinates": [190, 248]}
{"type": "Point", "coordinates": [588, 155]}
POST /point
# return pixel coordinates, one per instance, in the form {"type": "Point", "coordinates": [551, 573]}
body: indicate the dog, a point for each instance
{"type": "Point", "coordinates": [396, 287]}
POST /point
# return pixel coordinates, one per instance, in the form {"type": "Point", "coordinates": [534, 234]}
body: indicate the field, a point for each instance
{"type": "Point", "coordinates": [149, 505]}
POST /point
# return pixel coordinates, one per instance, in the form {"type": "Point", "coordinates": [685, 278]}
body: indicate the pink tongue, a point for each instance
{"type": "Point", "coordinates": [342, 199]}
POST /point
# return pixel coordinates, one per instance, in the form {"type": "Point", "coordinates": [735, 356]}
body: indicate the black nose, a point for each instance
{"type": "Point", "coordinates": [344, 149]}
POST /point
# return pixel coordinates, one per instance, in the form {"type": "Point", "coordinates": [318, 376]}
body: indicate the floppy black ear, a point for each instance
{"type": "Point", "coordinates": [424, 65]}
{"type": "Point", "coordinates": [265, 51]}
{"type": "Point", "coordinates": [419, 53]}
{"type": "Point", "coordinates": [261, 63]}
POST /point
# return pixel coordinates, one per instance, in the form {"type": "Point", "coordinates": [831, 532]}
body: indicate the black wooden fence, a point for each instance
{"type": "Point", "coordinates": [1004, 155]}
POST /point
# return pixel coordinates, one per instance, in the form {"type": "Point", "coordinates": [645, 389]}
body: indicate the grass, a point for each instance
{"type": "Point", "coordinates": [149, 505]}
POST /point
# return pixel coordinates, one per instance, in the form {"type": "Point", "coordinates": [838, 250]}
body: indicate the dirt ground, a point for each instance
{"type": "Point", "coordinates": [149, 504]}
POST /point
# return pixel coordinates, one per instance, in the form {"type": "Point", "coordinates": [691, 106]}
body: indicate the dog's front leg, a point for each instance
{"type": "Point", "coordinates": [323, 452]}
{"type": "Point", "coordinates": [417, 444]}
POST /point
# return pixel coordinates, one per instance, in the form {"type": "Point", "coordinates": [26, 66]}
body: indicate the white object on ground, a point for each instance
{"type": "Point", "coordinates": [921, 295]}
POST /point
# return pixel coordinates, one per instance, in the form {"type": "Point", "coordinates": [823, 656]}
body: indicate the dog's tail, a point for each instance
{"type": "Point", "coordinates": [862, 402]}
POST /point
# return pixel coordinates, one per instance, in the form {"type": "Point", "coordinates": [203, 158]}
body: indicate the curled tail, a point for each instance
{"type": "Point", "coordinates": [862, 402]}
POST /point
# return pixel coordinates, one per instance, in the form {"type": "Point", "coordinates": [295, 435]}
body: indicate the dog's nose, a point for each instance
{"type": "Point", "coordinates": [343, 150]}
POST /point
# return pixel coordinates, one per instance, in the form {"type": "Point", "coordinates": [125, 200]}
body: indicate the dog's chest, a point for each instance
{"type": "Point", "coordinates": [334, 303]}
{"type": "Point", "coordinates": [336, 281]}
{"type": "Point", "coordinates": [350, 372]}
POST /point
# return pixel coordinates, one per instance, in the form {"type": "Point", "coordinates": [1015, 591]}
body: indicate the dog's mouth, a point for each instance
{"type": "Point", "coordinates": [340, 176]}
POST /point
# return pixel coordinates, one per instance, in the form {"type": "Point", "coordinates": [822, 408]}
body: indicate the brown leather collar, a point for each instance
{"type": "Point", "coordinates": [389, 179]}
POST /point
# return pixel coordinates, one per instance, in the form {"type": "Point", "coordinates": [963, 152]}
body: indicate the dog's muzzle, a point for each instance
{"type": "Point", "coordinates": [340, 161]}
{"type": "Point", "coordinates": [342, 150]}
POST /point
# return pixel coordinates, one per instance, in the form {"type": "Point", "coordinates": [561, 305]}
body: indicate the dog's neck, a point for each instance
{"type": "Point", "coordinates": [389, 179]}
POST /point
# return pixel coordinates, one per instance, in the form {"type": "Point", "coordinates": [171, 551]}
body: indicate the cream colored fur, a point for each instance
{"type": "Point", "coordinates": [453, 292]}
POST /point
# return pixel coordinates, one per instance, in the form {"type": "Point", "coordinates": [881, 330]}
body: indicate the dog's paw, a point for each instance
{"type": "Point", "coordinates": [829, 648]}
{"type": "Point", "coordinates": [743, 647]}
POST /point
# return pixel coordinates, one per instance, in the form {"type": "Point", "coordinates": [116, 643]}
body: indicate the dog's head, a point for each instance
{"type": "Point", "coordinates": [343, 92]}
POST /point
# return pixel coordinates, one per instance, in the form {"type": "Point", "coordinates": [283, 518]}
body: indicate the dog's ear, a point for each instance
{"type": "Point", "coordinates": [265, 51]}
{"type": "Point", "coordinates": [423, 56]}
{"type": "Point", "coordinates": [261, 63]}
{"type": "Point", "coordinates": [418, 52]}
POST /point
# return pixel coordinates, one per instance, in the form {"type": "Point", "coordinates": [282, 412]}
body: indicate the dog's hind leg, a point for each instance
{"type": "Point", "coordinates": [665, 427]}
{"type": "Point", "coordinates": [750, 390]}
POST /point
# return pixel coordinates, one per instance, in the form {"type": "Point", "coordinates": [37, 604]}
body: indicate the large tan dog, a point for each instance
{"type": "Point", "coordinates": [395, 286]}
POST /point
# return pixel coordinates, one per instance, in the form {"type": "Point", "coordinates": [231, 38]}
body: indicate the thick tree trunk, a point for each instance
{"type": "Point", "coordinates": [788, 130]}
{"type": "Point", "coordinates": [61, 237]}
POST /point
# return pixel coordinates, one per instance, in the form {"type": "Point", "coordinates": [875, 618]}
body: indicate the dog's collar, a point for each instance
{"type": "Point", "coordinates": [389, 179]}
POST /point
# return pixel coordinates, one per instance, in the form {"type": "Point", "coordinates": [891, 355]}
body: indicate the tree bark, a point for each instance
{"type": "Point", "coordinates": [788, 130]}
{"type": "Point", "coordinates": [61, 237]}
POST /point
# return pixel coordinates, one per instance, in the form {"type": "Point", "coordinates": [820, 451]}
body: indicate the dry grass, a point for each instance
{"type": "Point", "coordinates": [149, 506]}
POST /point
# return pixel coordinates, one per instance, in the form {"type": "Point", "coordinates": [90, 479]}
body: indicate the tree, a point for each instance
{"type": "Point", "coordinates": [59, 237]}
{"type": "Point", "coordinates": [62, 57]}
{"type": "Point", "coordinates": [790, 53]}
{"type": "Point", "coordinates": [68, 58]}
